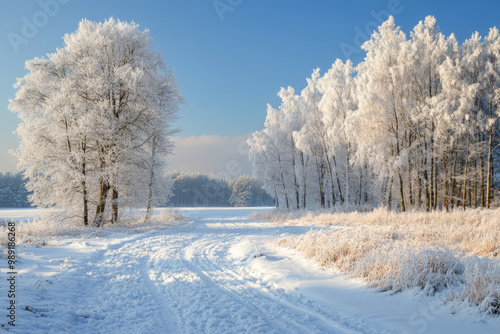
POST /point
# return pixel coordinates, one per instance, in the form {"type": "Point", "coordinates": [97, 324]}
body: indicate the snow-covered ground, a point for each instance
{"type": "Point", "coordinates": [221, 273]}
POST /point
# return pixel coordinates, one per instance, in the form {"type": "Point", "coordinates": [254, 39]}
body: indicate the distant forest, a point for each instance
{"type": "Point", "coordinates": [189, 189]}
{"type": "Point", "coordinates": [13, 193]}
{"type": "Point", "coordinates": [194, 189]}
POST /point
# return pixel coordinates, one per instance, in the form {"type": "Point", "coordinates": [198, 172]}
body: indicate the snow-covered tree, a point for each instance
{"type": "Point", "coordinates": [416, 119]}
{"type": "Point", "coordinates": [96, 120]}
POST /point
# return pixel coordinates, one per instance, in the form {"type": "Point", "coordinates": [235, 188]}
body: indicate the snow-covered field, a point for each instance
{"type": "Point", "coordinates": [220, 273]}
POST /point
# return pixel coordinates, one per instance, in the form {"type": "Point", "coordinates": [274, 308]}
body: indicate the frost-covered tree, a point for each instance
{"type": "Point", "coordinates": [382, 93]}
{"type": "Point", "coordinates": [242, 192]}
{"type": "Point", "coordinates": [96, 121]}
{"type": "Point", "coordinates": [492, 92]}
{"type": "Point", "coordinates": [413, 126]}
{"type": "Point", "coordinates": [338, 101]}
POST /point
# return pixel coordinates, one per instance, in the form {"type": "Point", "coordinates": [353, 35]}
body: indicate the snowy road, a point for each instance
{"type": "Point", "coordinates": [195, 280]}
{"type": "Point", "coordinates": [219, 274]}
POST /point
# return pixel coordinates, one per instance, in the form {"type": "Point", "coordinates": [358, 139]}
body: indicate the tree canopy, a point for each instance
{"type": "Point", "coordinates": [96, 122]}
{"type": "Point", "coordinates": [414, 125]}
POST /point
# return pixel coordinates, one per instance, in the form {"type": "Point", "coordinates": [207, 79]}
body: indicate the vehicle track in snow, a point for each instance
{"type": "Point", "coordinates": [187, 281]}
{"type": "Point", "coordinates": [211, 293]}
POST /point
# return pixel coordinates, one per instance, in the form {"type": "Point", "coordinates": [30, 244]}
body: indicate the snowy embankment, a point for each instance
{"type": "Point", "coordinates": [455, 256]}
{"type": "Point", "coordinates": [220, 273]}
{"type": "Point", "coordinates": [41, 226]}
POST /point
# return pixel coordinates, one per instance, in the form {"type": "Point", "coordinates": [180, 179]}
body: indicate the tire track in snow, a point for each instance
{"type": "Point", "coordinates": [167, 317]}
{"type": "Point", "coordinates": [302, 316]}
{"type": "Point", "coordinates": [209, 282]}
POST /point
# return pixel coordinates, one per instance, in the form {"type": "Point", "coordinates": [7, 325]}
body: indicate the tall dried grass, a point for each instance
{"type": "Point", "coordinates": [49, 226]}
{"type": "Point", "coordinates": [458, 251]}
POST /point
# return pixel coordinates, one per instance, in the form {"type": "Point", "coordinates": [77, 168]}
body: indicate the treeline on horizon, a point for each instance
{"type": "Point", "coordinates": [413, 126]}
{"type": "Point", "coordinates": [198, 190]}
{"type": "Point", "coordinates": [13, 193]}
{"type": "Point", "coordinates": [189, 189]}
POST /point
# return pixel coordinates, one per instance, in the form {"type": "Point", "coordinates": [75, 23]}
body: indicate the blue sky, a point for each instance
{"type": "Point", "coordinates": [229, 63]}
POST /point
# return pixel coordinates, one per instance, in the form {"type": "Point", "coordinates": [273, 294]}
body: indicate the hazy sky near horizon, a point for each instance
{"type": "Point", "coordinates": [230, 57]}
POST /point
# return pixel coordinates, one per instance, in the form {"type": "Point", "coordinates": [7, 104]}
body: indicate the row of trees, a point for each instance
{"type": "Point", "coordinates": [188, 189]}
{"type": "Point", "coordinates": [194, 189]}
{"type": "Point", "coordinates": [96, 122]}
{"type": "Point", "coordinates": [13, 193]}
{"type": "Point", "coordinates": [415, 125]}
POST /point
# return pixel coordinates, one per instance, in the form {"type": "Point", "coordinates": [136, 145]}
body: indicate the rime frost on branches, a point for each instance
{"type": "Point", "coordinates": [415, 125]}
{"type": "Point", "coordinates": [96, 122]}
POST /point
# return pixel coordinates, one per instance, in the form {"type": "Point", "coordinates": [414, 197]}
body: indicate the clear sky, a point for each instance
{"type": "Point", "coordinates": [230, 57]}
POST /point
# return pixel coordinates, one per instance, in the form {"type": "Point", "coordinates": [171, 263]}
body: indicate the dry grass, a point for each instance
{"type": "Point", "coordinates": [472, 231]}
{"type": "Point", "coordinates": [49, 227]}
{"type": "Point", "coordinates": [457, 251]}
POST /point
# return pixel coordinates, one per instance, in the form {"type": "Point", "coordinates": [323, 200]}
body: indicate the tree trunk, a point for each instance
{"type": "Point", "coordinates": [410, 187]}
{"type": "Point", "coordinates": [401, 193]}
{"type": "Point", "coordinates": [330, 173]}
{"type": "Point", "coordinates": [435, 185]}
{"type": "Point", "coordinates": [319, 168]}
{"type": "Point", "coordinates": [389, 199]}
{"type": "Point", "coordinates": [114, 206]}
{"type": "Point", "coordinates": [297, 196]}
{"type": "Point", "coordinates": [360, 186]}
{"type": "Point", "coordinates": [101, 206]}
{"type": "Point", "coordinates": [338, 181]}
{"type": "Point", "coordinates": [465, 171]}
{"type": "Point", "coordinates": [84, 185]}
{"type": "Point", "coordinates": [276, 198]}
{"type": "Point", "coordinates": [85, 200]}
{"type": "Point", "coordinates": [483, 188]}
{"type": "Point", "coordinates": [426, 179]}
{"type": "Point", "coordinates": [445, 184]}
{"type": "Point", "coordinates": [151, 180]}
{"type": "Point", "coordinates": [489, 173]}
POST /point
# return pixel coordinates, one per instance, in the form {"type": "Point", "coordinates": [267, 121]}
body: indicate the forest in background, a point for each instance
{"type": "Point", "coordinates": [188, 189]}
{"type": "Point", "coordinates": [13, 193]}
{"type": "Point", "coordinates": [195, 189]}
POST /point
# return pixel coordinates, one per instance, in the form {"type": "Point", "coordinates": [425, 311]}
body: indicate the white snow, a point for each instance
{"type": "Point", "coordinates": [221, 273]}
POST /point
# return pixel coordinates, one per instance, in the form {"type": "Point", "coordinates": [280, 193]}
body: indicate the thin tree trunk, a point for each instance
{"type": "Point", "coordinates": [410, 188]}
{"type": "Point", "coordinates": [389, 199]}
{"type": "Point", "coordinates": [483, 188]}
{"type": "Point", "coordinates": [360, 186]}
{"type": "Point", "coordinates": [276, 198]}
{"type": "Point", "coordinates": [330, 172]}
{"type": "Point", "coordinates": [338, 181]}
{"type": "Point", "coordinates": [445, 184]}
{"type": "Point", "coordinates": [435, 185]}
{"type": "Point", "coordinates": [151, 180]}
{"type": "Point", "coordinates": [426, 179]}
{"type": "Point", "coordinates": [465, 171]}
{"type": "Point", "coordinates": [401, 193]}
{"type": "Point", "coordinates": [297, 196]}
{"type": "Point", "coordinates": [101, 206]}
{"type": "Point", "coordinates": [475, 186]}
{"type": "Point", "coordinates": [489, 173]}
{"type": "Point", "coordinates": [84, 185]}
{"type": "Point", "coordinates": [320, 184]}
{"type": "Point", "coordinates": [114, 205]}
{"type": "Point", "coordinates": [419, 193]}
{"type": "Point", "coordinates": [85, 199]}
